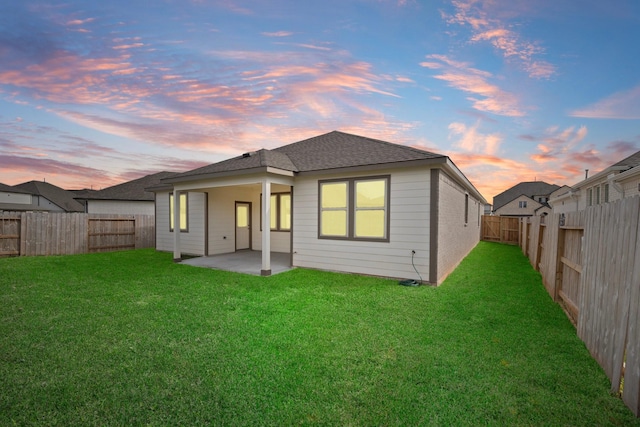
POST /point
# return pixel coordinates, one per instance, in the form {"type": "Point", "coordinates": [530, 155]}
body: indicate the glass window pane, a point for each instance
{"type": "Point", "coordinates": [334, 195]}
{"type": "Point", "coordinates": [183, 211]}
{"type": "Point", "coordinates": [285, 211]}
{"type": "Point", "coordinates": [274, 214]}
{"type": "Point", "coordinates": [171, 211]}
{"type": "Point", "coordinates": [242, 216]}
{"type": "Point", "coordinates": [370, 223]}
{"type": "Point", "coordinates": [370, 194]}
{"type": "Point", "coordinates": [334, 223]}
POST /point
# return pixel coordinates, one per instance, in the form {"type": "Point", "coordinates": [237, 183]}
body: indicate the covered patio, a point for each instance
{"type": "Point", "coordinates": [246, 261]}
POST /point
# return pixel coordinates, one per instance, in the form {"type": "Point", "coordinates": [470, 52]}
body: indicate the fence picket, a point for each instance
{"type": "Point", "coordinates": [605, 289]}
{"type": "Point", "coordinates": [59, 233]}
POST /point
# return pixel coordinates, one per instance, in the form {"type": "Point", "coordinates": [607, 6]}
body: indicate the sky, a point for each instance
{"type": "Point", "coordinates": [93, 94]}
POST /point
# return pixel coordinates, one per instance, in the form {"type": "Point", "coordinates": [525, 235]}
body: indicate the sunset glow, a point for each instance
{"type": "Point", "coordinates": [97, 93]}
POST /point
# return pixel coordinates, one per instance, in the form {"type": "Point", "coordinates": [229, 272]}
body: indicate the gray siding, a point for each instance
{"type": "Point", "coordinates": [222, 219]}
{"type": "Point", "coordinates": [129, 207]}
{"type": "Point", "coordinates": [409, 230]}
{"type": "Point", "coordinates": [17, 198]}
{"type": "Point", "coordinates": [456, 238]}
{"type": "Point", "coordinates": [192, 241]}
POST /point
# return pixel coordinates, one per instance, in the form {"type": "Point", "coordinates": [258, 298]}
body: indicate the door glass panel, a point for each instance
{"type": "Point", "coordinates": [242, 216]}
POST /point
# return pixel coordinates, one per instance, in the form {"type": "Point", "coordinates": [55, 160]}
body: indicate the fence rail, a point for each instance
{"type": "Point", "coordinates": [53, 233]}
{"type": "Point", "coordinates": [590, 265]}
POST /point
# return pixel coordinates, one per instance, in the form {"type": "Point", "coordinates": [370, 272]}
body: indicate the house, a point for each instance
{"type": "Point", "coordinates": [127, 198]}
{"type": "Point", "coordinates": [15, 199]}
{"type": "Point", "coordinates": [48, 197]}
{"type": "Point", "coordinates": [336, 202]}
{"type": "Point", "coordinates": [567, 204]}
{"type": "Point", "coordinates": [620, 180]}
{"type": "Point", "coordinates": [524, 199]}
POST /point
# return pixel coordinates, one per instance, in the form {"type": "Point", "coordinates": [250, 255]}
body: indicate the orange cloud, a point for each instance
{"type": "Point", "coordinates": [471, 140]}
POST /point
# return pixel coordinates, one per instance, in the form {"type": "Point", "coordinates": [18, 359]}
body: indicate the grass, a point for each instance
{"type": "Point", "coordinates": [129, 338]}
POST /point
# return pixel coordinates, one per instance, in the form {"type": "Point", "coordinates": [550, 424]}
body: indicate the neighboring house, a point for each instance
{"type": "Point", "coordinates": [127, 198]}
{"type": "Point", "coordinates": [616, 182]}
{"type": "Point", "coordinates": [336, 202]}
{"type": "Point", "coordinates": [524, 199]}
{"type": "Point", "coordinates": [15, 199]}
{"type": "Point", "coordinates": [561, 200]}
{"type": "Point", "coordinates": [48, 197]}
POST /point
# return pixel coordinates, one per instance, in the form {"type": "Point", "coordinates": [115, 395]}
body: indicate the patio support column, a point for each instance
{"type": "Point", "coordinates": [266, 228]}
{"type": "Point", "coordinates": [177, 254]}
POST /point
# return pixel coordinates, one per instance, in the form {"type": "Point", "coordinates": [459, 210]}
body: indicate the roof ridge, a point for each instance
{"type": "Point", "coordinates": [391, 144]}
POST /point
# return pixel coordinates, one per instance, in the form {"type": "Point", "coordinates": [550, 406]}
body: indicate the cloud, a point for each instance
{"type": "Point", "coordinates": [486, 96]}
{"type": "Point", "coordinates": [620, 105]}
{"type": "Point", "coordinates": [80, 21]}
{"type": "Point", "coordinates": [65, 174]}
{"type": "Point", "coordinates": [555, 144]}
{"type": "Point", "coordinates": [489, 26]}
{"type": "Point", "coordinates": [278, 34]}
{"type": "Point", "coordinates": [470, 139]}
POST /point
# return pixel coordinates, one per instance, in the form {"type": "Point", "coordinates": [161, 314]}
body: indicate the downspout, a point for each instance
{"type": "Point", "coordinates": [614, 184]}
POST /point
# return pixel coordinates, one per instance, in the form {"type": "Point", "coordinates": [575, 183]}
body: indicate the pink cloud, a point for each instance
{"type": "Point", "coordinates": [488, 25]}
{"type": "Point", "coordinates": [278, 34]}
{"type": "Point", "coordinates": [470, 139]}
{"type": "Point", "coordinates": [620, 105]}
{"type": "Point", "coordinates": [18, 169]}
{"type": "Point", "coordinates": [80, 21]}
{"type": "Point", "coordinates": [462, 76]}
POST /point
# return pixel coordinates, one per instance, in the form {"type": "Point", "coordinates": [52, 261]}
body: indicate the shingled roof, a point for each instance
{"type": "Point", "coordinates": [631, 162]}
{"type": "Point", "coordinates": [62, 198]}
{"type": "Point", "coordinates": [333, 150]}
{"type": "Point", "coordinates": [11, 189]}
{"type": "Point", "coordinates": [131, 190]}
{"type": "Point", "coordinates": [529, 189]}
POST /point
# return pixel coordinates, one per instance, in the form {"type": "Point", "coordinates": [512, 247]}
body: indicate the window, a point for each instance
{"type": "Point", "coordinates": [356, 208]}
{"type": "Point", "coordinates": [597, 195]}
{"type": "Point", "coordinates": [522, 204]}
{"type": "Point", "coordinates": [606, 193]}
{"type": "Point", "coordinates": [466, 208]}
{"type": "Point", "coordinates": [589, 196]}
{"type": "Point", "coordinates": [280, 219]}
{"type": "Point", "coordinates": [183, 212]}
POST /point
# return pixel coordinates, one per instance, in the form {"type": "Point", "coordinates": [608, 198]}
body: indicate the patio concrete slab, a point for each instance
{"type": "Point", "coordinates": [248, 262]}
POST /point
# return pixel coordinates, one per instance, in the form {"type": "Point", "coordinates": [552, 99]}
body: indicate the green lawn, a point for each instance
{"type": "Point", "coordinates": [130, 338]}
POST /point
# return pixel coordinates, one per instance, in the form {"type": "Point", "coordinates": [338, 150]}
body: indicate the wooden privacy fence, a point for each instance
{"type": "Point", "coordinates": [56, 233]}
{"type": "Point", "coordinates": [590, 265]}
{"type": "Point", "coordinates": [503, 229]}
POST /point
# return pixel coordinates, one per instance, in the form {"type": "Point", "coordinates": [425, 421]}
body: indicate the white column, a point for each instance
{"type": "Point", "coordinates": [177, 255]}
{"type": "Point", "coordinates": [266, 228]}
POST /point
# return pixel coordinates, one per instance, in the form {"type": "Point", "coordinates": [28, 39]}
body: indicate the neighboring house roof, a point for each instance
{"type": "Point", "coordinates": [63, 198]}
{"type": "Point", "coordinates": [333, 150]}
{"type": "Point", "coordinates": [630, 162]}
{"type": "Point", "coordinates": [82, 194]}
{"type": "Point", "coordinates": [11, 189]}
{"type": "Point", "coordinates": [624, 165]}
{"type": "Point", "coordinates": [529, 189]}
{"type": "Point", "coordinates": [132, 190]}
